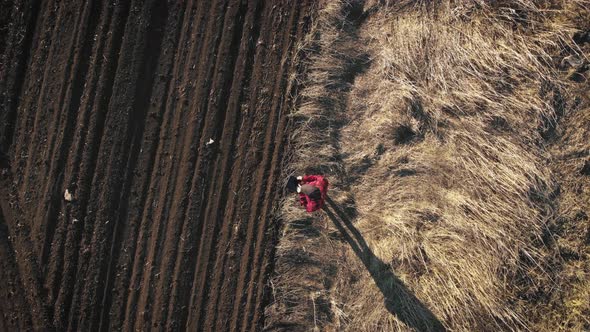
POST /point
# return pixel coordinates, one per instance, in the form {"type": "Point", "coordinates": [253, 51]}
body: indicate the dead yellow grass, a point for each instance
{"type": "Point", "coordinates": [433, 121]}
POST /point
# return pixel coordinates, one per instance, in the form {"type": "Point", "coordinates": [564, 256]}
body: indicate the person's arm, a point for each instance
{"type": "Point", "coordinates": [324, 188]}
{"type": "Point", "coordinates": [311, 206]}
{"type": "Point", "coordinates": [309, 178]}
{"type": "Point", "coordinates": [303, 199]}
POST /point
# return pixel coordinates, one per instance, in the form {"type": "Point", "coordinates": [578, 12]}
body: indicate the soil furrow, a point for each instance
{"type": "Point", "coordinates": [261, 178]}
{"type": "Point", "coordinates": [33, 85]}
{"type": "Point", "coordinates": [241, 187]}
{"type": "Point", "coordinates": [18, 45]}
{"type": "Point", "coordinates": [15, 311]}
{"type": "Point", "coordinates": [188, 125]}
{"type": "Point", "coordinates": [198, 29]}
{"type": "Point", "coordinates": [61, 152]}
{"type": "Point", "coordinates": [193, 133]}
{"type": "Point", "coordinates": [28, 268]}
{"type": "Point", "coordinates": [148, 42]}
{"type": "Point", "coordinates": [45, 105]}
{"type": "Point", "coordinates": [161, 158]}
{"type": "Point", "coordinates": [143, 175]}
{"type": "Point", "coordinates": [269, 228]}
{"type": "Point", "coordinates": [225, 73]}
{"type": "Point", "coordinates": [242, 70]}
{"type": "Point", "coordinates": [86, 125]}
{"type": "Point", "coordinates": [45, 219]}
{"type": "Point", "coordinates": [82, 211]}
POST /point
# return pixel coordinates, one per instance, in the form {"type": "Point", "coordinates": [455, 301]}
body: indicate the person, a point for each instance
{"type": "Point", "coordinates": [312, 190]}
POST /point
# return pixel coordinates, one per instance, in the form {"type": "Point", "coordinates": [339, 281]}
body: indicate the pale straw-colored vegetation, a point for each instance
{"type": "Point", "coordinates": [435, 122]}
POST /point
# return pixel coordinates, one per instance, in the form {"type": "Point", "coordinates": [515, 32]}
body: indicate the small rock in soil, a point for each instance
{"type": "Point", "coordinates": [68, 196]}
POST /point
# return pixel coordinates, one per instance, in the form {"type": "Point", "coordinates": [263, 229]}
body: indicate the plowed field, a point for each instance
{"type": "Point", "coordinates": [166, 122]}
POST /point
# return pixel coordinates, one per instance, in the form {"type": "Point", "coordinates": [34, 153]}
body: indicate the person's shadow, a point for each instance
{"type": "Point", "coordinates": [4, 161]}
{"type": "Point", "coordinates": [399, 300]}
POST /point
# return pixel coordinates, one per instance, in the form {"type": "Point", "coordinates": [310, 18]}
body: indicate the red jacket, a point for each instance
{"type": "Point", "coordinates": [319, 182]}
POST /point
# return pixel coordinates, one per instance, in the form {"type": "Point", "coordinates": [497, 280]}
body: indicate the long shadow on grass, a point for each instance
{"type": "Point", "coordinates": [399, 300]}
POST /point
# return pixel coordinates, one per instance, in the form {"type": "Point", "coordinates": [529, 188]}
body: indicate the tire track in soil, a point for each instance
{"type": "Point", "coordinates": [116, 102]}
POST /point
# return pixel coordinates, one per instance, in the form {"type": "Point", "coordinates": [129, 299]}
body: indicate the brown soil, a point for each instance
{"type": "Point", "coordinates": [116, 102]}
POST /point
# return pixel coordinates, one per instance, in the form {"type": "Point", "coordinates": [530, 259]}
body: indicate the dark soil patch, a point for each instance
{"type": "Point", "coordinates": [116, 102]}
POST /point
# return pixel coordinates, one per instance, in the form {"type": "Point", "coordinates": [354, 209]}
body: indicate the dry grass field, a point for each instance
{"type": "Point", "coordinates": [456, 137]}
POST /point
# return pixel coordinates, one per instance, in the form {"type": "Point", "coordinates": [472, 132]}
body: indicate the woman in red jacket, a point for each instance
{"type": "Point", "coordinates": [312, 191]}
